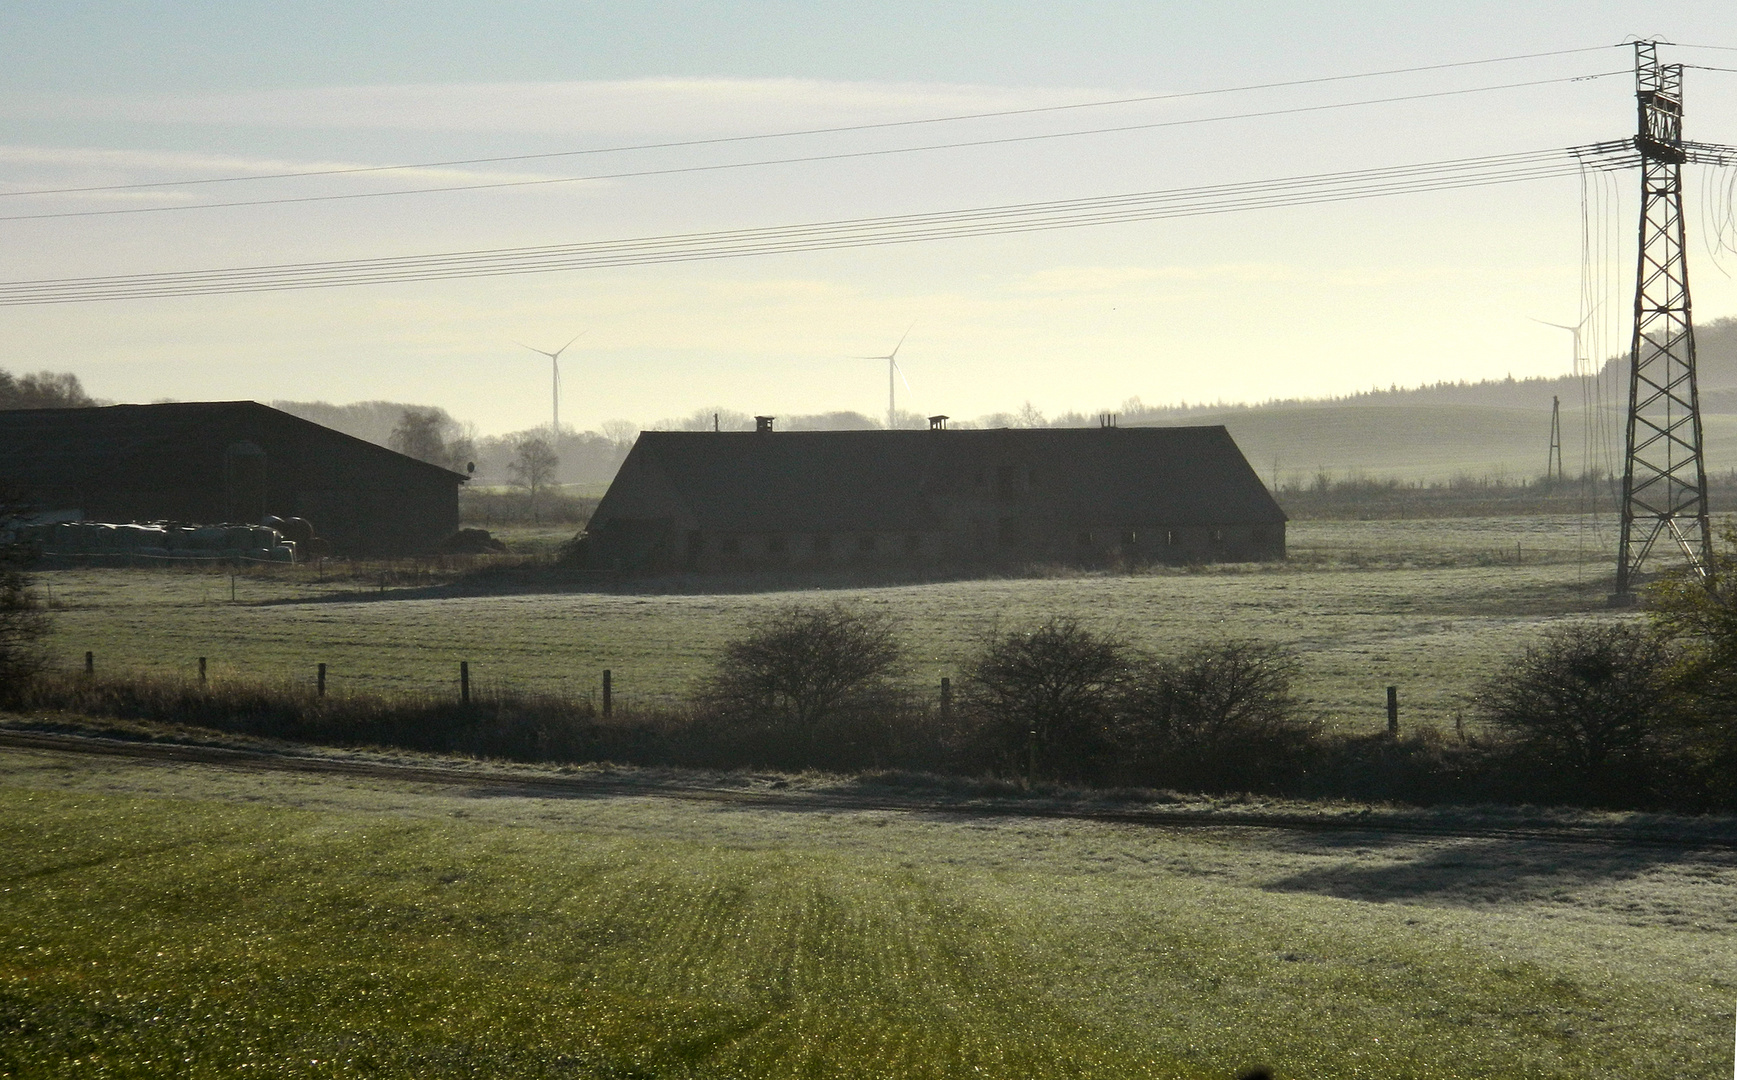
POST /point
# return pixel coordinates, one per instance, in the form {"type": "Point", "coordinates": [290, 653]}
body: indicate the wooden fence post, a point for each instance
{"type": "Point", "coordinates": [201, 671]}
{"type": "Point", "coordinates": [464, 682]}
{"type": "Point", "coordinates": [946, 697]}
{"type": "Point", "coordinates": [90, 663]}
{"type": "Point", "coordinates": [1393, 710]}
{"type": "Point", "coordinates": [608, 695]}
{"type": "Point", "coordinates": [320, 680]}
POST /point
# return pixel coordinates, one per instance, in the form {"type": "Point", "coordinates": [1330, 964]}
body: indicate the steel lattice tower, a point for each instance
{"type": "Point", "coordinates": [1664, 482]}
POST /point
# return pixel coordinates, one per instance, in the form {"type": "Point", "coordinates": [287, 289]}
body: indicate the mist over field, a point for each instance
{"type": "Point", "coordinates": [1492, 431]}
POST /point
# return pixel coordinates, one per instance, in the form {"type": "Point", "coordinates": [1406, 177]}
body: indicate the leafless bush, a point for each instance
{"type": "Point", "coordinates": [1592, 703]}
{"type": "Point", "coordinates": [22, 624]}
{"type": "Point", "coordinates": [1220, 716]}
{"type": "Point", "coordinates": [23, 618]}
{"type": "Point", "coordinates": [799, 669]}
{"type": "Point", "coordinates": [1047, 697]}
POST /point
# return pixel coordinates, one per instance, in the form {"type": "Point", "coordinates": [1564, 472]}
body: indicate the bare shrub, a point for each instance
{"type": "Point", "coordinates": [1220, 716]}
{"type": "Point", "coordinates": [798, 669]}
{"type": "Point", "coordinates": [1592, 704]}
{"type": "Point", "coordinates": [1701, 623]}
{"type": "Point", "coordinates": [1046, 698]}
{"type": "Point", "coordinates": [23, 622]}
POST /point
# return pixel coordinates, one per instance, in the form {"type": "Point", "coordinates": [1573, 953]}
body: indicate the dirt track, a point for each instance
{"type": "Point", "coordinates": [482, 778]}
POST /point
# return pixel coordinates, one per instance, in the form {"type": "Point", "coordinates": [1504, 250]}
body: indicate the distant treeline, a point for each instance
{"type": "Point", "coordinates": [1354, 498]}
{"type": "Point", "coordinates": [42, 390]}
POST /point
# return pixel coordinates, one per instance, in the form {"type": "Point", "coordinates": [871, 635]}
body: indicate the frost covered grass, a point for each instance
{"type": "Point", "coordinates": [161, 918]}
{"type": "Point", "coordinates": [1429, 606]}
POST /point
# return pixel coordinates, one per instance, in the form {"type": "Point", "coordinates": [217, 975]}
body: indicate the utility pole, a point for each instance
{"type": "Point", "coordinates": [1553, 459]}
{"type": "Point", "coordinates": [1664, 481]}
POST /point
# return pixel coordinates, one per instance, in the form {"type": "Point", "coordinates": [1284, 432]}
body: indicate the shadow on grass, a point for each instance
{"type": "Point", "coordinates": [1475, 872]}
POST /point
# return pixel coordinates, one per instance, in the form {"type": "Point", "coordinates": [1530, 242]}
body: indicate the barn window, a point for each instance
{"type": "Point", "coordinates": [1170, 537]}
{"type": "Point", "coordinates": [865, 543]}
{"type": "Point", "coordinates": [1130, 537]}
{"type": "Point", "coordinates": [823, 544]}
{"type": "Point", "coordinates": [730, 545]}
{"type": "Point", "coordinates": [1218, 536]}
{"type": "Point", "coordinates": [774, 545]}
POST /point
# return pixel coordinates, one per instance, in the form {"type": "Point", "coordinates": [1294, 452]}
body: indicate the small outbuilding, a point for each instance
{"type": "Point", "coordinates": [719, 502]}
{"type": "Point", "coordinates": [226, 461]}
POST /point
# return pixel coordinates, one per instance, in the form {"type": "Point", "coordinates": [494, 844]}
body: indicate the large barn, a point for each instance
{"type": "Point", "coordinates": [711, 502]}
{"type": "Point", "coordinates": [226, 461]}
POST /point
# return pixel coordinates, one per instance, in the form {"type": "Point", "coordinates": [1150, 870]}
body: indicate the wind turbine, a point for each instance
{"type": "Point", "coordinates": [555, 364]}
{"type": "Point", "coordinates": [1579, 359]}
{"type": "Point", "coordinates": [893, 369]}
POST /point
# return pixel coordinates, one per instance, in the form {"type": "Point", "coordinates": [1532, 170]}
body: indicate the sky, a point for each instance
{"type": "Point", "coordinates": [1247, 306]}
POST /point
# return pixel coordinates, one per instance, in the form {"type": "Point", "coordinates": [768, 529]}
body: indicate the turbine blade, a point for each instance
{"type": "Point", "coordinates": [901, 372]}
{"type": "Point", "coordinates": [902, 338]}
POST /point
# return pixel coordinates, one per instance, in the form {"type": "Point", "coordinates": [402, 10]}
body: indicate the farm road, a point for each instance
{"type": "Point", "coordinates": [1497, 848]}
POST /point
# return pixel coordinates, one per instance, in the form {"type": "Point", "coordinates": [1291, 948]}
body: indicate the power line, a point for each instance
{"type": "Point", "coordinates": [826, 235]}
{"type": "Point", "coordinates": [803, 132]}
{"type": "Point", "coordinates": [805, 159]}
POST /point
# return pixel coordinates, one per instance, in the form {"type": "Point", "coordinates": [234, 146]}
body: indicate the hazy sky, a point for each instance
{"type": "Point", "coordinates": [1246, 306]}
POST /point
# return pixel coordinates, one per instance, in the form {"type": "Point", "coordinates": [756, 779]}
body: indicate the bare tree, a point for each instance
{"type": "Point", "coordinates": [799, 667]}
{"type": "Point", "coordinates": [622, 433]}
{"type": "Point", "coordinates": [533, 468]}
{"type": "Point", "coordinates": [433, 436]}
{"type": "Point", "coordinates": [418, 435]}
{"type": "Point", "coordinates": [42, 390]}
{"type": "Point", "coordinates": [1588, 699]}
{"type": "Point", "coordinates": [1220, 716]}
{"type": "Point", "coordinates": [23, 622]}
{"type": "Point", "coordinates": [1051, 692]}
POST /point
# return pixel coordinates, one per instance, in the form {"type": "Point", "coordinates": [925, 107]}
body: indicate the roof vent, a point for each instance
{"type": "Point", "coordinates": [1107, 420]}
{"type": "Point", "coordinates": [763, 425]}
{"type": "Point", "coordinates": [937, 423]}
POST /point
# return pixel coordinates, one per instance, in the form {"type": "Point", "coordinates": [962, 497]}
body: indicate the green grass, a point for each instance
{"type": "Point", "coordinates": [1431, 606]}
{"type": "Point", "coordinates": [163, 920]}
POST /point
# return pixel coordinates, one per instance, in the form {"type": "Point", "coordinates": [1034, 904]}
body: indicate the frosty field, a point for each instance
{"type": "Point", "coordinates": [1428, 606]}
{"type": "Point", "coordinates": [190, 920]}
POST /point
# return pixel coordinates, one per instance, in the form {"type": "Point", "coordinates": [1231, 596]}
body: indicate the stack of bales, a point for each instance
{"type": "Point", "coordinates": [93, 539]}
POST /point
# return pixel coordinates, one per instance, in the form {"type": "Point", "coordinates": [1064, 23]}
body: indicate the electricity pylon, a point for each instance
{"type": "Point", "coordinates": [1553, 458]}
{"type": "Point", "coordinates": [1664, 480]}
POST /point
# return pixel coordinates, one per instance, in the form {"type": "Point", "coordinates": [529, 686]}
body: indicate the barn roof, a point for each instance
{"type": "Point", "coordinates": [904, 480]}
{"type": "Point", "coordinates": [46, 446]}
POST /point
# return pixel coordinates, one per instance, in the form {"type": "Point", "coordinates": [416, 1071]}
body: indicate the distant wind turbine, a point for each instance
{"type": "Point", "coordinates": [1582, 363]}
{"type": "Point", "coordinates": [555, 364]}
{"type": "Point", "coordinates": [893, 369]}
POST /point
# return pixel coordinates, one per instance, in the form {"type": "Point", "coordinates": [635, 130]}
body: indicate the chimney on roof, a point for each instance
{"type": "Point", "coordinates": [763, 425]}
{"type": "Point", "coordinates": [937, 423]}
{"type": "Point", "coordinates": [1107, 420]}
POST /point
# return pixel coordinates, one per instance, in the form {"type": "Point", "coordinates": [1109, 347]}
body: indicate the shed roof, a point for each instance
{"type": "Point", "coordinates": [903, 480]}
{"type": "Point", "coordinates": [55, 446]}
